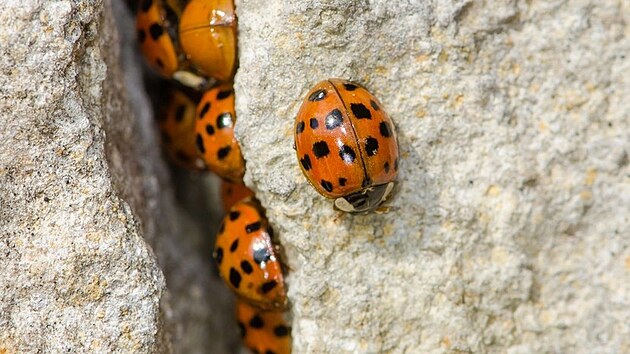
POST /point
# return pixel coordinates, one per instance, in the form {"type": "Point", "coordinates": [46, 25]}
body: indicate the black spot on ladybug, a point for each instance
{"type": "Point", "coordinates": [360, 111]}
{"type": "Point", "coordinates": [142, 36]}
{"type": "Point", "coordinates": [223, 152]}
{"type": "Point", "coordinates": [210, 129]}
{"type": "Point", "coordinates": [396, 164]}
{"type": "Point", "coordinates": [182, 156]}
{"type": "Point", "coordinates": [235, 278]}
{"type": "Point", "coordinates": [386, 131]}
{"type": "Point", "coordinates": [262, 255]}
{"type": "Point", "coordinates": [255, 226]}
{"type": "Point", "coordinates": [281, 331]}
{"type": "Point", "coordinates": [156, 31]}
{"type": "Point", "coordinates": [333, 119]}
{"type": "Point", "coordinates": [326, 185]}
{"type": "Point", "coordinates": [342, 181]}
{"type": "Point", "coordinates": [234, 245]}
{"type": "Point", "coordinates": [313, 123]}
{"type": "Point", "coordinates": [199, 142]}
{"type": "Point", "coordinates": [386, 167]}
{"type": "Point", "coordinates": [371, 146]}
{"type": "Point", "coordinates": [268, 286]}
{"type": "Point", "coordinates": [224, 94]}
{"type": "Point", "coordinates": [159, 63]}
{"type": "Point", "coordinates": [320, 149]}
{"type": "Point", "coordinates": [146, 5]}
{"type": "Point", "coordinates": [350, 87]}
{"type": "Point", "coordinates": [179, 113]}
{"type": "Point", "coordinates": [306, 162]}
{"type": "Point", "coordinates": [222, 227]}
{"type": "Point", "coordinates": [234, 215]}
{"type": "Point", "coordinates": [204, 110]}
{"type": "Point", "coordinates": [347, 154]}
{"type": "Point", "coordinates": [246, 267]}
{"type": "Point", "coordinates": [224, 120]}
{"type": "Point", "coordinates": [166, 139]}
{"type": "Point", "coordinates": [218, 255]}
{"type": "Point", "coordinates": [375, 105]}
{"type": "Point", "coordinates": [317, 95]}
{"type": "Point", "coordinates": [241, 328]}
{"type": "Point", "coordinates": [299, 128]}
{"type": "Point", "coordinates": [256, 322]}
{"type": "Point", "coordinates": [269, 351]}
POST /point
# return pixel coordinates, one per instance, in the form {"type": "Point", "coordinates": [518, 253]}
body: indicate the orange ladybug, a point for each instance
{"type": "Point", "coordinates": [177, 128]}
{"type": "Point", "coordinates": [232, 193]}
{"type": "Point", "coordinates": [207, 33]}
{"type": "Point", "coordinates": [263, 331]}
{"type": "Point", "coordinates": [157, 24]}
{"type": "Point", "coordinates": [346, 145]}
{"type": "Point", "coordinates": [214, 130]}
{"type": "Point", "coordinates": [155, 21]}
{"type": "Point", "coordinates": [246, 256]}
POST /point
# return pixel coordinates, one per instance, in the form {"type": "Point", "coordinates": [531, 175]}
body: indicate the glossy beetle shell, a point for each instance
{"type": "Point", "coordinates": [346, 144]}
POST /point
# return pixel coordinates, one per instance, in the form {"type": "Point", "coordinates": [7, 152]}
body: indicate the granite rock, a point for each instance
{"type": "Point", "coordinates": [76, 274]}
{"type": "Point", "coordinates": [92, 231]}
{"type": "Point", "coordinates": [509, 231]}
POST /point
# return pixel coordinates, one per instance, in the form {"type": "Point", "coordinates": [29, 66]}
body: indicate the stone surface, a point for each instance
{"type": "Point", "coordinates": [84, 193]}
{"type": "Point", "coordinates": [76, 275]}
{"type": "Point", "coordinates": [509, 232]}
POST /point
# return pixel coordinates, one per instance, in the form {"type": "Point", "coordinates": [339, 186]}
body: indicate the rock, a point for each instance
{"type": "Point", "coordinates": [91, 229]}
{"type": "Point", "coordinates": [76, 274]}
{"type": "Point", "coordinates": [509, 230]}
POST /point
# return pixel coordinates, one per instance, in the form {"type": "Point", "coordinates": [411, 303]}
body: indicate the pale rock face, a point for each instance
{"type": "Point", "coordinates": [509, 230]}
{"type": "Point", "coordinates": [90, 232]}
{"type": "Point", "coordinates": [76, 275]}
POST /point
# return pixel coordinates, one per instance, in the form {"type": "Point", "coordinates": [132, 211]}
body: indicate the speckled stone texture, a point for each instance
{"type": "Point", "coordinates": [97, 254]}
{"type": "Point", "coordinates": [509, 232]}
{"type": "Point", "coordinates": [75, 273]}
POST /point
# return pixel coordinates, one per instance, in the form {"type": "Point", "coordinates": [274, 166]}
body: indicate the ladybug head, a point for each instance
{"type": "Point", "coordinates": [366, 199]}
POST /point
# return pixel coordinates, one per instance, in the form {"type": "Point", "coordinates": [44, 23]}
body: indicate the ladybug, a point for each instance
{"type": "Point", "coordinates": [207, 33]}
{"type": "Point", "coordinates": [346, 145]}
{"type": "Point", "coordinates": [214, 133]}
{"type": "Point", "coordinates": [177, 128]}
{"type": "Point", "coordinates": [157, 24]}
{"type": "Point", "coordinates": [246, 257]}
{"type": "Point", "coordinates": [156, 21]}
{"type": "Point", "coordinates": [232, 193]}
{"type": "Point", "coordinates": [263, 331]}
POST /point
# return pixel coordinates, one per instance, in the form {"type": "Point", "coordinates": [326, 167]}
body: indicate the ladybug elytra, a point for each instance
{"type": "Point", "coordinates": [346, 145]}
{"type": "Point", "coordinates": [214, 137]}
{"type": "Point", "coordinates": [263, 331]}
{"type": "Point", "coordinates": [247, 258]}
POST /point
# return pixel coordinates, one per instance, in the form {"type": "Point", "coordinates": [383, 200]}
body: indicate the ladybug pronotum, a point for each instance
{"type": "Point", "coordinates": [346, 145]}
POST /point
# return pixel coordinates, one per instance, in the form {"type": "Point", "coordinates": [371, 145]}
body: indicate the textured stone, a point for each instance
{"type": "Point", "coordinates": [83, 190]}
{"type": "Point", "coordinates": [76, 275]}
{"type": "Point", "coordinates": [509, 231]}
